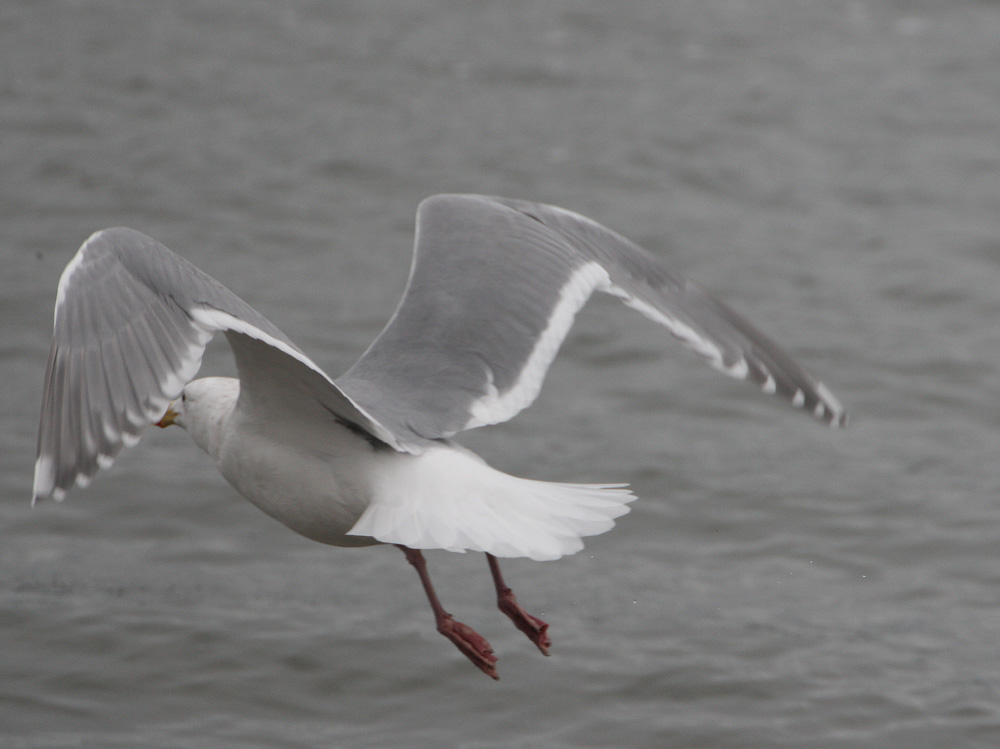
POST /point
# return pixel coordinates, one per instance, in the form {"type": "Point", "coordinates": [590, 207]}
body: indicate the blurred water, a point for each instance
{"type": "Point", "coordinates": [828, 168]}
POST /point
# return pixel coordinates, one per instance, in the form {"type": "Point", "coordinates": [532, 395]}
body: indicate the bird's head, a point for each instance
{"type": "Point", "coordinates": [203, 408]}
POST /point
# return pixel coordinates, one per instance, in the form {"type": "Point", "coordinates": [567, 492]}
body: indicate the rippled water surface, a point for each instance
{"type": "Point", "coordinates": [830, 169]}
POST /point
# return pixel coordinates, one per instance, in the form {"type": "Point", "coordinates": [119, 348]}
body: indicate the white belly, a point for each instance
{"type": "Point", "coordinates": [318, 492]}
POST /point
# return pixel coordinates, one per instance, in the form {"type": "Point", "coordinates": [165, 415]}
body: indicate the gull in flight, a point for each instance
{"type": "Point", "coordinates": [368, 458]}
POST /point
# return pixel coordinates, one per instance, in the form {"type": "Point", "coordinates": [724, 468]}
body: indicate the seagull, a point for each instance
{"type": "Point", "coordinates": [368, 458]}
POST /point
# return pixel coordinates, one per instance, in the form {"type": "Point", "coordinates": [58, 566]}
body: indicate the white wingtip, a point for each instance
{"type": "Point", "coordinates": [838, 414]}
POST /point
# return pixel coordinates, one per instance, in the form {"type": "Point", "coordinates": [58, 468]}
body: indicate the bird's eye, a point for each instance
{"type": "Point", "coordinates": [183, 397]}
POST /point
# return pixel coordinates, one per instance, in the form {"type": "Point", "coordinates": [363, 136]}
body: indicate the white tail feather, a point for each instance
{"type": "Point", "coordinates": [450, 499]}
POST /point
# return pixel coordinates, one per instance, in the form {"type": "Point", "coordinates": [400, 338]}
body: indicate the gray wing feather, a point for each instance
{"type": "Point", "coordinates": [492, 279]}
{"type": "Point", "coordinates": [132, 320]}
{"type": "Point", "coordinates": [482, 284]}
{"type": "Point", "coordinates": [730, 342]}
{"type": "Point", "coordinates": [493, 289]}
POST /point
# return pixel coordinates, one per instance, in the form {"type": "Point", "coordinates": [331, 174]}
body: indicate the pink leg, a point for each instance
{"type": "Point", "coordinates": [471, 643]}
{"type": "Point", "coordinates": [536, 630]}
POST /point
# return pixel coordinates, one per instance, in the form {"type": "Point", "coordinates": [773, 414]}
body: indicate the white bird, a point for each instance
{"type": "Point", "coordinates": [367, 459]}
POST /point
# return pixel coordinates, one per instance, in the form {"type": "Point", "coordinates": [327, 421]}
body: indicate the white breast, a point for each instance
{"type": "Point", "coordinates": [317, 482]}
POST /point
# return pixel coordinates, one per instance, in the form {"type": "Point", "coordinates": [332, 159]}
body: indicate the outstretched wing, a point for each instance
{"type": "Point", "coordinates": [493, 290]}
{"type": "Point", "coordinates": [132, 320]}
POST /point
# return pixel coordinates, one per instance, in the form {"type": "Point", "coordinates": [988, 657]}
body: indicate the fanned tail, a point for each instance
{"type": "Point", "coordinates": [450, 499]}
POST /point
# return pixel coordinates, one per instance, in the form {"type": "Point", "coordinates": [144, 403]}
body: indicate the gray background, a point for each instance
{"type": "Point", "coordinates": [829, 168]}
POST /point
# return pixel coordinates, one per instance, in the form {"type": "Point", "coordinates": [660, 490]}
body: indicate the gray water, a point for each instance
{"type": "Point", "coordinates": [830, 169]}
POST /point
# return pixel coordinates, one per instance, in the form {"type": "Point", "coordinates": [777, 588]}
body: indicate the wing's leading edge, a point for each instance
{"type": "Point", "coordinates": [493, 290]}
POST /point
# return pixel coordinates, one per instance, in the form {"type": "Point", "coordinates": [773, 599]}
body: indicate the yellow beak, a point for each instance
{"type": "Point", "coordinates": [168, 418]}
